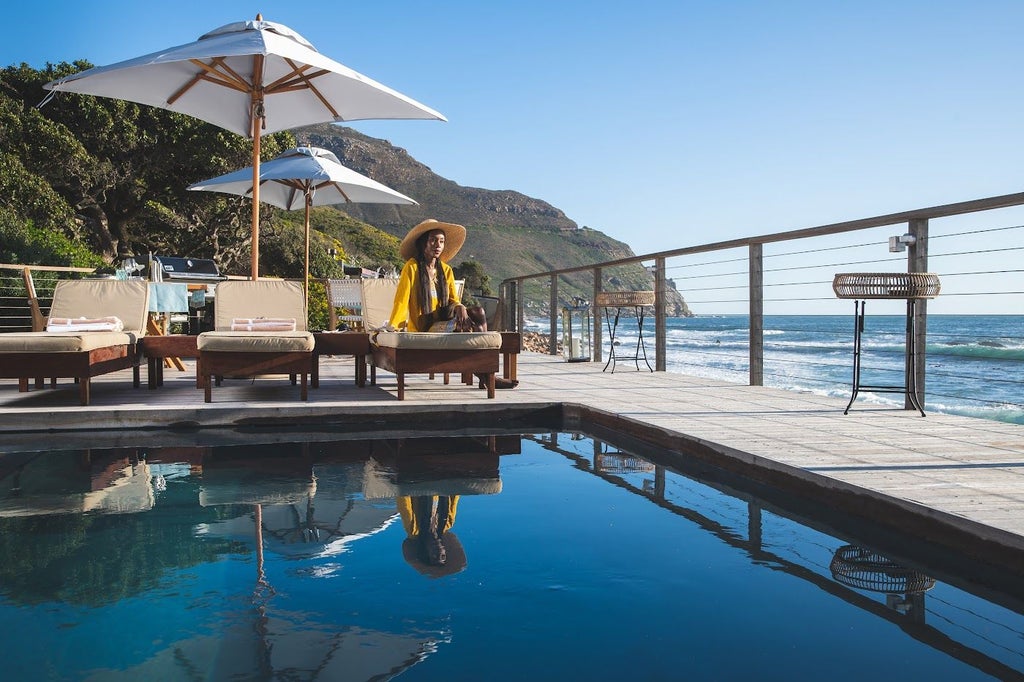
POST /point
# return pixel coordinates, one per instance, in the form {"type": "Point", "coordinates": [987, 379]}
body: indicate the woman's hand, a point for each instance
{"type": "Point", "coordinates": [460, 313]}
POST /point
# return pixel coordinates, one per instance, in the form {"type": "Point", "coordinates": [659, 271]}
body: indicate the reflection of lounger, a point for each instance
{"type": "Point", "coordinates": [379, 482]}
{"type": "Point", "coordinates": [79, 353]}
{"type": "Point", "coordinates": [267, 349]}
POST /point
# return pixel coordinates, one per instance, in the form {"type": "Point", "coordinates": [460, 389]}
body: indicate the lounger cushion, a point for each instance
{"type": "Point", "coordinates": [259, 298]}
{"type": "Point", "coordinates": [247, 489]}
{"type": "Point", "coordinates": [127, 300]}
{"type": "Point", "coordinates": [256, 342]}
{"type": "Point", "coordinates": [433, 341]}
{"type": "Point", "coordinates": [62, 342]}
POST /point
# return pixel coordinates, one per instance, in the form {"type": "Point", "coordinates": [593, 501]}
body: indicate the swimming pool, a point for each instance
{"type": "Point", "coordinates": [567, 557]}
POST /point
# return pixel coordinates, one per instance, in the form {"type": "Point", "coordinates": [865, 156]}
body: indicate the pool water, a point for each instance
{"type": "Point", "coordinates": [566, 558]}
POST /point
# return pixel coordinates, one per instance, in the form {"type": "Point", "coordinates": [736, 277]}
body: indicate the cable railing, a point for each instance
{"type": "Point", "coordinates": [21, 284]}
{"type": "Point", "coordinates": [766, 313]}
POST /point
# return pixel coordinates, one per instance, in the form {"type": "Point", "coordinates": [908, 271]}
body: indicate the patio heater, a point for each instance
{"type": "Point", "coordinates": [576, 331]}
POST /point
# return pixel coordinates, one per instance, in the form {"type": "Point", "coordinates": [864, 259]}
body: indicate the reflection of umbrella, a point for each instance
{"type": "Point", "coordinates": [304, 177]}
{"type": "Point", "coordinates": [248, 77]}
{"type": "Point", "coordinates": [302, 513]}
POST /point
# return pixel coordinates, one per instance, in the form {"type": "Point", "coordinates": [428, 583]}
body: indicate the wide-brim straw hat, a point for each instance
{"type": "Point", "coordinates": [456, 557]}
{"type": "Point", "coordinates": [454, 238]}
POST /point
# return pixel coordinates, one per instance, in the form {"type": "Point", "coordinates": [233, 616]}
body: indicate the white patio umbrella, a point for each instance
{"type": "Point", "coordinates": [305, 177]}
{"type": "Point", "coordinates": [248, 77]}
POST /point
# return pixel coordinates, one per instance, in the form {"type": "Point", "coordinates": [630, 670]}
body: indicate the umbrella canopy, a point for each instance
{"type": "Point", "coordinates": [248, 77]}
{"type": "Point", "coordinates": [303, 177]}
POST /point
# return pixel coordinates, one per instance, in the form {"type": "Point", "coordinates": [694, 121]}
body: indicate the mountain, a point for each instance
{"type": "Point", "coordinates": [509, 233]}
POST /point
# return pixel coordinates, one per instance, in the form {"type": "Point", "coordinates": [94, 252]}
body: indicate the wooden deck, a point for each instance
{"type": "Point", "coordinates": [965, 474]}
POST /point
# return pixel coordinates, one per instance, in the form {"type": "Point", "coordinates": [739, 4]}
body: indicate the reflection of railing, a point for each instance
{"type": "Point", "coordinates": [907, 610]}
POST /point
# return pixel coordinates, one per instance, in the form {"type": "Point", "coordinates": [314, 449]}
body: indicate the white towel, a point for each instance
{"type": "Point", "coordinates": [84, 324]}
{"type": "Point", "coordinates": [263, 324]}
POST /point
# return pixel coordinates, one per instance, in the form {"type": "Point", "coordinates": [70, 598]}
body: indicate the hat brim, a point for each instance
{"type": "Point", "coordinates": [453, 548]}
{"type": "Point", "coordinates": [454, 238]}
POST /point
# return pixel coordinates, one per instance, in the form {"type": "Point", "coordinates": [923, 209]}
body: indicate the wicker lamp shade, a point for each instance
{"type": "Point", "coordinates": [867, 570]}
{"type": "Point", "coordinates": [904, 285]}
{"type": "Point", "coordinates": [622, 299]}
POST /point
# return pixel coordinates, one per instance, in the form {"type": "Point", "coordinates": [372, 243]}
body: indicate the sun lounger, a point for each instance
{"type": "Point", "coordinates": [429, 353]}
{"type": "Point", "coordinates": [103, 321]}
{"type": "Point", "coordinates": [463, 353]}
{"type": "Point", "coordinates": [270, 337]}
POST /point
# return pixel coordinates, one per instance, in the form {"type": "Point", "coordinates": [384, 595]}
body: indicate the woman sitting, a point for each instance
{"type": "Point", "coordinates": [426, 288]}
{"type": "Point", "coordinates": [426, 291]}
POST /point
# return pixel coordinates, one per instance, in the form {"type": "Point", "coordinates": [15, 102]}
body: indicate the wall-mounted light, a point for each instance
{"type": "Point", "coordinates": [898, 244]}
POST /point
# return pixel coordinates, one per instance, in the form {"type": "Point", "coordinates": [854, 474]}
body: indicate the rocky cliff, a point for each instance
{"type": "Point", "coordinates": [509, 232]}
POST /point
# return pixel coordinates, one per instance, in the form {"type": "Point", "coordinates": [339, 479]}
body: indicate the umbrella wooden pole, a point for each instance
{"type": "Point", "coordinates": [256, 113]}
{"type": "Point", "coordinates": [255, 197]}
{"type": "Point", "coordinates": [305, 281]}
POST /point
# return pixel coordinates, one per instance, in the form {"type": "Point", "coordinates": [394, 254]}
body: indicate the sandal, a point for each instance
{"type": "Point", "coordinates": [499, 382]}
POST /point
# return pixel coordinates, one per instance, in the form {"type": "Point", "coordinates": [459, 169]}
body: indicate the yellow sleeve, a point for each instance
{"type": "Point", "coordinates": [453, 505]}
{"type": "Point", "coordinates": [401, 312]}
{"type": "Point", "coordinates": [404, 504]}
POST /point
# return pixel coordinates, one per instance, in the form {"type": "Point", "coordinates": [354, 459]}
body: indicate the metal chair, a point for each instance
{"type": "Point", "coordinates": [346, 294]}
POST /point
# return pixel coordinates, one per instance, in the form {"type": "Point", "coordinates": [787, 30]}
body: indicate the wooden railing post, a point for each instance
{"type": "Point", "coordinates": [756, 295]}
{"type": "Point", "coordinates": [38, 320]}
{"type": "Point", "coordinates": [917, 261]}
{"type": "Point", "coordinates": [596, 317]}
{"type": "Point", "coordinates": [517, 297]}
{"type": "Point", "coordinates": [553, 305]}
{"type": "Point", "coordinates": [660, 346]}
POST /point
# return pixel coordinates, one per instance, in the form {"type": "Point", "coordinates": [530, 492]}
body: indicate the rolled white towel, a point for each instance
{"type": "Point", "coordinates": [263, 324]}
{"type": "Point", "coordinates": [263, 327]}
{"type": "Point", "coordinates": [84, 324]}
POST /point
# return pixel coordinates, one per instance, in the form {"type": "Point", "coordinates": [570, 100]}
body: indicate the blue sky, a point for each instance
{"type": "Point", "coordinates": [663, 124]}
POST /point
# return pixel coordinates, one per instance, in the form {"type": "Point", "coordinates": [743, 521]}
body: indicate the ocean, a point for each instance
{"type": "Point", "coordinates": [975, 363]}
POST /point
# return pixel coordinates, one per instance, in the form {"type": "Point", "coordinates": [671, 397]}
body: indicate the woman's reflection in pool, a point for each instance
{"type": "Point", "coordinates": [430, 547]}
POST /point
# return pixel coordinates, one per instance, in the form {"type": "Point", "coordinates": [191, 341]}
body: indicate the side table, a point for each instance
{"type": "Point", "coordinates": [156, 347]}
{"type": "Point", "coordinates": [511, 346]}
{"type": "Point", "coordinates": [356, 344]}
{"type": "Point", "coordinates": [639, 301]}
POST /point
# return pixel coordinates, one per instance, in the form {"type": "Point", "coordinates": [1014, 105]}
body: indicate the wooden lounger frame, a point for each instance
{"type": "Point", "coordinates": [404, 361]}
{"type": "Point", "coordinates": [212, 365]}
{"type": "Point", "coordinates": [78, 365]}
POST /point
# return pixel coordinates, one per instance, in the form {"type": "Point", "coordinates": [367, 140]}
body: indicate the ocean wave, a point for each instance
{"type": "Point", "coordinates": [1009, 413]}
{"type": "Point", "coordinates": [976, 351]}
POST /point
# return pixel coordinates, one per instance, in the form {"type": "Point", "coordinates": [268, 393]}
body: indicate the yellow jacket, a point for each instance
{"type": "Point", "coordinates": [406, 307]}
{"type": "Point", "coordinates": [409, 522]}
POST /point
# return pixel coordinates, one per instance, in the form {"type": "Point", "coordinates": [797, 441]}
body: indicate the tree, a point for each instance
{"type": "Point", "coordinates": [93, 174]}
{"type": "Point", "coordinates": [124, 170]}
{"type": "Point", "coordinates": [476, 279]}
